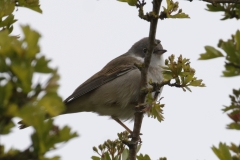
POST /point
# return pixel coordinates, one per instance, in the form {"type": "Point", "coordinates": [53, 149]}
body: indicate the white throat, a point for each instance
{"type": "Point", "coordinates": [156, 60]}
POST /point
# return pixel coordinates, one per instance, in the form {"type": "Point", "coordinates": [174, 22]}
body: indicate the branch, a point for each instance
{"type": "Point", "coordinates": [220, 1]}
{"type": "Point", "coordinates": [144, 71]}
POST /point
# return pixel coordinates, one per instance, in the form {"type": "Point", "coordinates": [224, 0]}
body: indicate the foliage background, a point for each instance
{"type": "Point", "coordinates": [82, 36]}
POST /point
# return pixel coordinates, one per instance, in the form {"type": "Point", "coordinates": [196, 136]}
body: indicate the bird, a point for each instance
{"type": "Point", "coordinates": [114, 90]}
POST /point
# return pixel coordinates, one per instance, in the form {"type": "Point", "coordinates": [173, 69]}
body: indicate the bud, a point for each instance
{"type": "Point", "coordinates": [95, 149]}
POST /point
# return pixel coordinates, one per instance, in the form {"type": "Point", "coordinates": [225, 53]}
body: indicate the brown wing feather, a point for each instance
{"type": "Point", "coordinates": [111, 71]}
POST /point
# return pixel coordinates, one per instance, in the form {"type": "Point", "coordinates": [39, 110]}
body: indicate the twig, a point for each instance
{"type": "Point", "coordinates": [144, 71]}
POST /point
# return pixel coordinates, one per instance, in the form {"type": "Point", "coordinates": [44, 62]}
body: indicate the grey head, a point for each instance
{"type": "Point", "coordinates": [140, 48]}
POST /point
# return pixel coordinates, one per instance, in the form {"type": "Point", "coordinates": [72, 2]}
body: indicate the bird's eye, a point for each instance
{"type": "Point", "coordinates": [144, 50]}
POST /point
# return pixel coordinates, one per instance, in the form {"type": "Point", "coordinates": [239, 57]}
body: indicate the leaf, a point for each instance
{"type": "Point", "coordinates": [232, 54]}
{"type": "Point", "coordinates": [52, 84]}
{"type": "Point", "coordinates": [235, 126]}
{"type": "Point", "coordinates": [231, 71]}
{"type": "Point", "coordinates": [65, 134]}
{"type": "Point", "coordinates": [179, 15]}
{"type": "Point", "coordinates": [237, 37]}
{"type": "Point", "coordinates": [211, 52]}
{"type": "Point", "coordinates": [3, 65]}
{"type": "Point", "coordinates": [196, 83]}
{"type": "Point", "coordinates": [53, 158]}
{"type": "Point", "coordinates": [31, 38]}
{"type": "Point", "coordinates": [32, 115]}
{"type": "Point", "coordinates": [42, 65]}
{"type": "Point", "coordinates": [5, 43]}
{"type": "Point", "coordinates": [125, 154]}
{"type": "Point", "coordinates": [234, 148]}
{"type": "Point", "coordinates": [24, 72]}
{"type": "Point", "coordinates": [6, 128]}
{"type": "Point", "coordinates": [156, 111]}
{"type": "Point", "coordinates": [227, 108]}
{"type": "Point", "coordinates": [5, 94]}
{"type": "Point", "coordinates": [6, 7]}
{"type": "Point", "coordinates": [31, 4]}
{"type": "Point", "coordinates": [222, 152]}
{"type": "Point", "coordinates": [8, 21]}
{"type": "Point", "coordinates": [145, 157]}
{"type": "Point", "coordinates": [167, 75]}
{"type": "Point", "coordinates": [52, 103]}
{"type": "Point", "coordinates": [95, 158]}
{"type": "Point", "coordinates": [130, 2]}
{"type": "Point", "coordinates": [214, 8]}
{"type": "Point", "coordinates": [106, 156]}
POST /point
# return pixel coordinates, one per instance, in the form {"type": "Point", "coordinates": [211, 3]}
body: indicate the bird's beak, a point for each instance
{"type": "Point", "coordinates": [160, 51]}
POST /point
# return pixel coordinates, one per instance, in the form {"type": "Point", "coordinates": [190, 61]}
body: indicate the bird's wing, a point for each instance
{"type": "Point", "coordinates": [111, 71]}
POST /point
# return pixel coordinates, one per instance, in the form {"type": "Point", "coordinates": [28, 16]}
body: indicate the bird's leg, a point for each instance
{"type": "Point", "coordinates": [123, 125]}
{"type": "Point", "coordinates": [127, 129]}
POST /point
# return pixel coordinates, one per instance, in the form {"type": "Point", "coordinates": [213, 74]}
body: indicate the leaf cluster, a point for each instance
{"type": "Point", "coordinates": [20, 96]}
{"type": "Point", "coordinates": [171, 8]}
{"type": "Point", "coordinates": [234, 110]}
{"type": "Point", "coordinates": [116, 150]}
{"type": "Point", "coordinates": [112, 150]}
{"type": "Point", "coordinates": [230, 10]}
{"type": "Point", "coordinates": [6, 11]}
{"type": "Point", "coordinates": [231, 47]}
{"type": "Point", "coordinates": [183, 76]}
{"type": "Point", "coordinates": [154, 109]}
{"type": "Point", "coordinates": [223, 151]}
{"type": "Point", "coordinates": [181, 73]}
{"type": "Point", "coordinates": [168, 12]}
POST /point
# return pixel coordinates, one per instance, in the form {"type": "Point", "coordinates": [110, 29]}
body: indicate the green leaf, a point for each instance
{"type": "Point", "coordinates": [106, 156]}
{"type": "Point", "coordinates": [52, 103]}
{"type": "Point", "coordinates": [5, 43]}
{"type": "Point", "coordinates": [52, 84]}
{"type": "Point", "coordinates": [31, 4]}
{"type": "Point", "coordinates": [130, 2]}
{"type": "Point", "coordinates": [235, 126]}
{"type": "Point", "coordinates": [156, 111]}
{"type": "Point", "coordinates": [24, 72]}
{"type": "Point", "coordinates": [6, 7]}
{"type": "Point", "coordinates": [5, 94]}
{"type": "Point", "coordinates": [8, 21]}
{"type": "Point", "coordinates": [6, 128]}
{"type": "Point", "coordinates": [95, 158]}
{"type": "Point", "coordinates": [230, 10]}
{"type": "Point", "coordinates": [65, 134]}
{"type": "Point", "coordinates": [178, 15]}
{"type": "Point", "coordinates": [32, 115]}
{"type": "Point", "coordinates": [167, 75]}
{"type": "Point", "coordinates": [196, 83]}
{"type": "Point", "coordinates": [53, 158]}
{"type": "Point", "coordinates": [211, 52]}
{"type": "Point", "coordinates": [237, 37]}
{"type": "Point", "coordinates": [234, 148]}
{"type": "Point", "coordinates": [222, 152]}
{"type": "Point", "coordinates": [145, 157]}
{"type": "Point", "coordinates": [231, 71]}
{"type": "Point", "coordinates": [42, 65]}
{"type": "Point", "coordinates": [215, 8]}
{"type": "Point", "coordinates": [3, 65]}
{"type": "Point", "coordinates": [31, 38]}
{"type": "Point", "coordinates": [230, 49]}
{"type": "Point", "coordinates": [227, 108]}
{"type": "Point", "coordinates": [125, 154]}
